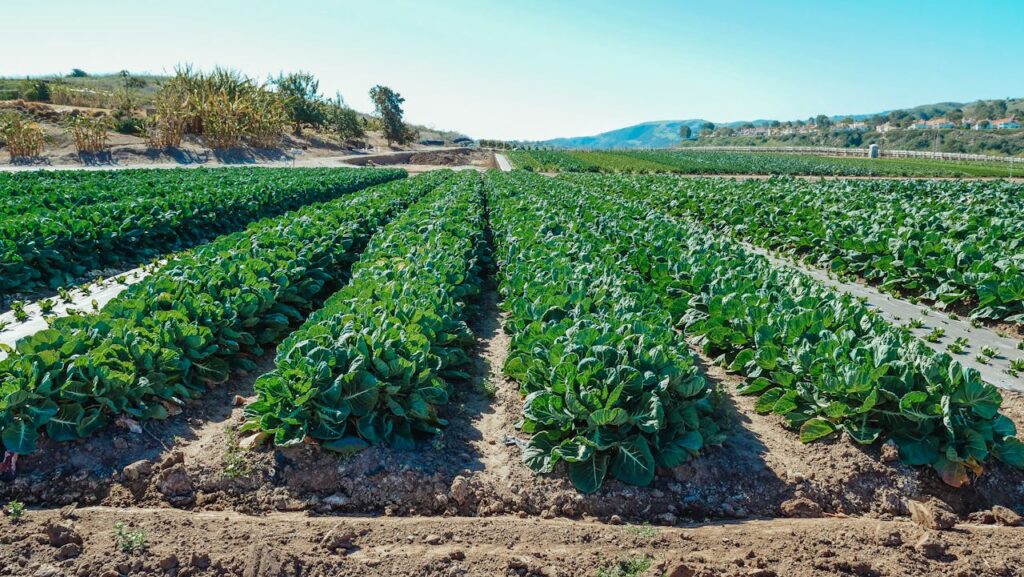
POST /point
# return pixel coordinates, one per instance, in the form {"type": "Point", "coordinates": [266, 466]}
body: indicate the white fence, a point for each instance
{"type": "Point", "coordinates": [862, 152]}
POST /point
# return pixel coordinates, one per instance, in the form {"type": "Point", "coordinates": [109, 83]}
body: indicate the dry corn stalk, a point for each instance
{"type": "Point", "coordinates": [23, 139]}
{"type": "Point", "coordinates": [89, 134]}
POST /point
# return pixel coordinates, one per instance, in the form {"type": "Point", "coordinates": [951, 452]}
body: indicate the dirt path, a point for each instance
{"type": "Point", "coordinates": [185, 544]}
{"type": "Point", "coordinates": [503, 163]}
{"type": "Point", "coordinates": [292, 158]}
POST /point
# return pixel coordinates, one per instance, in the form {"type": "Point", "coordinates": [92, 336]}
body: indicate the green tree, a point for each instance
{"type": "Point", "coordinates": [301, 93]}
{"type": "Point", "coordinates": [955, 115]}
{"type": "Point", "coordinates": [685, 132]}
{"type": "Point", "coordinates": [77, 73]}
{"type": "Point", "coordinates": [822, 121]}
{"type": "Point", "coordinates": [342, 120]}
{"type": "Point", "coordinates": [389, 108]}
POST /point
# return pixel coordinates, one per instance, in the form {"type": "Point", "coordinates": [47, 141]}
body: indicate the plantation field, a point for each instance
{"type": "Point", "coordinates": [59, 227]}
{"type": "Point", "coordinates": [717, 162]}
{"type": "Point", "coordinates": [516, 353]}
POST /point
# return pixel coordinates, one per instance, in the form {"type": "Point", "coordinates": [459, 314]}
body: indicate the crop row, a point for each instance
{"type": "Point", "coordinates": [819, 359]}
{"type": "Point", "coordinates": [610, 388]}
{"type": "Point", "coordinates": [147, 213]}
{"type": "Point", "coordinates": [376, 361]}
{"type": "Point", "coordinates": [957, 243]}
{"type": "Point", "coordinates": [696, 161]}
{"type": "Point", "coordinates": [184, 328]}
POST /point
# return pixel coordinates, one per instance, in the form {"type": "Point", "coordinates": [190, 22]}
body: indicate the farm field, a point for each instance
{"type": "Point", "coordinates": [350, 371]}
{"type": "Point", "coordinates": [718, 162]}
{"type": "Point", "coordinates": [61, 227]}
{"type": "Point", "coordinates": [956, 243]}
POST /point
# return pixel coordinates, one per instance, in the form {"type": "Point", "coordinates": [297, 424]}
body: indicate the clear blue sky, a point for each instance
{"type": "Point", "coordinates": [538, 69]}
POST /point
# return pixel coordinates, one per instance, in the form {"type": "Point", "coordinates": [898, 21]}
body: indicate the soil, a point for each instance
{"type": "Point", "coordinates": [184, 544]}
{"type": "Point", "coordinates": [465, 504]}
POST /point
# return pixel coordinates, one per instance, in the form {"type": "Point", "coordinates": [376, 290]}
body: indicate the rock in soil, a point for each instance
{"type": "Point", "coordinates": [176, 485]}
{"type": "Point", "coordinates": [933, 514]}
{"type": "Point", "coordinates": [802, 508]}
{"type": "Point", "coordinates": [1006, 516]}
{"type": "Point", "coordinates": [60, 534]}
{"type": "Point", "coordinates": [138, 470]}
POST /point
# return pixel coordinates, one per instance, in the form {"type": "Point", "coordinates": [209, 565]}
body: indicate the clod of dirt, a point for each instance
{"type": "Point", "coordinates": [679, 570]}
{"type": "Point", "coordinates": [887, 536]}
{"type": "Point", "coordinates": [461, 491]}
{"type": "Point", "coordinates": [253, 441]}
{"type": "Point", "coordinates": [169, 562]}
{"type": "Point", "coordinates": [262, 561]}
{"type": "Point", "coordinates": [890, 452]}
{"type": "Point", "coordinates": [69, 551]}
{"type": "Point", "coordinates": [175, 484]}
{"type": "Point", "coordinates": [801, 507]}
{"type": "Point", "coordinates": [47, 571]}
{"type": "Point", "coordinates": [60, 534]}
{"type": "Point", "coordinates": [931, 545]}
{"type": "Point", "coordinates": [137, 470]}
{"type": "Point", "coordinates": [200, 560]}
{"type": "Point", "coordinates": [175, 458]}
{"type": "Point", "coordinates": [1007, 516]}
{"type": "Point", "coordinates": [341, 537]}
{"type": "Point", "coordinates": [933, 514]}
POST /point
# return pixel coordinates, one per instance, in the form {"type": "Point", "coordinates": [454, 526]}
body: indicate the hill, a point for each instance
{"type": "Point", "coordinates": [665, 133]}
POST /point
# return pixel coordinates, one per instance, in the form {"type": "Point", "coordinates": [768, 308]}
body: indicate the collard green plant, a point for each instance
{"type": "Point", "coordinates": [57, 226]}
{"type": "Point", "coordinates": [955, 243]}
{"type": "Point", "coordinates": [821, 360]}
{"type": "Point", "coordinates": [610, 389]}
{"type": "Point", "coordinates": [376, 361]}
{"type": "Point", "coordinates": [184, 328]}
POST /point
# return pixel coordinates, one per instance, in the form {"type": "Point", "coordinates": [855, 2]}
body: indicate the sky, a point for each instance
{"type": "Point", "coordinates": [536, 69]}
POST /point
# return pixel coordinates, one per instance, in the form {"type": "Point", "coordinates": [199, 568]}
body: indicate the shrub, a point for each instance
{"type": "Point", "coordinates": [37, 90]}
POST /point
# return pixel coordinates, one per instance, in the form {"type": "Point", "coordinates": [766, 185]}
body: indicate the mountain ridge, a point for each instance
{"type": "Point", "coordinates": [665, 133]}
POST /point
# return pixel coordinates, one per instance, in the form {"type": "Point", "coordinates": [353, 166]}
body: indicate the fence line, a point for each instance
{"type": "Point", "coordinates": [861, 152]}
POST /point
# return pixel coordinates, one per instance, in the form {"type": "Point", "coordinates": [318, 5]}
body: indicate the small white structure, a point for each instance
{"type": "Point", "coordinates": [873, 151]}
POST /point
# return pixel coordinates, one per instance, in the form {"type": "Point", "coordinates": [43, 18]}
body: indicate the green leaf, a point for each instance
{"type": "Point", "coordinates": [918, 452]}
{"type": "Point", "coordinates": [815, 429]}
{"type": "Point", "coordinates": [346, 445]}
{"type": "Point", "coordinates": [607, 417]}
{"type": "Point", "coordinates": [633, 462]}
{"type": "Point", "coordinates": [587, 476]}
{"type": "Point", "coordinates": [1011, 452]}
{"type": "Point", "coordinates": [20, 437]}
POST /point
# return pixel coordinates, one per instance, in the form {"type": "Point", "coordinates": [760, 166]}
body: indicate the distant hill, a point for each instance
{"type": "Point", "coordinates": [665, 133]}
{"type": "Point", "coordinates": [649, 134]}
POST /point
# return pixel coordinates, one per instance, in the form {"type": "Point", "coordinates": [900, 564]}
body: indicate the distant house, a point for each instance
{"type": "Point", "coordinates": [756, 131]}
{"type": "Point", "coordinates": [1005, 123]}
{"type": "Point", "coordinates": [883, 128]}
{"type": "Point", "coordinates": [857, 126]}
{"type": "Point", "coordinates": [933, 124]}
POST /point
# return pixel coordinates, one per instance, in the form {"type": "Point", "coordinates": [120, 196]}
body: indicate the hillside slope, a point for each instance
{"type": "Point", "coordinates": [665, 133]}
